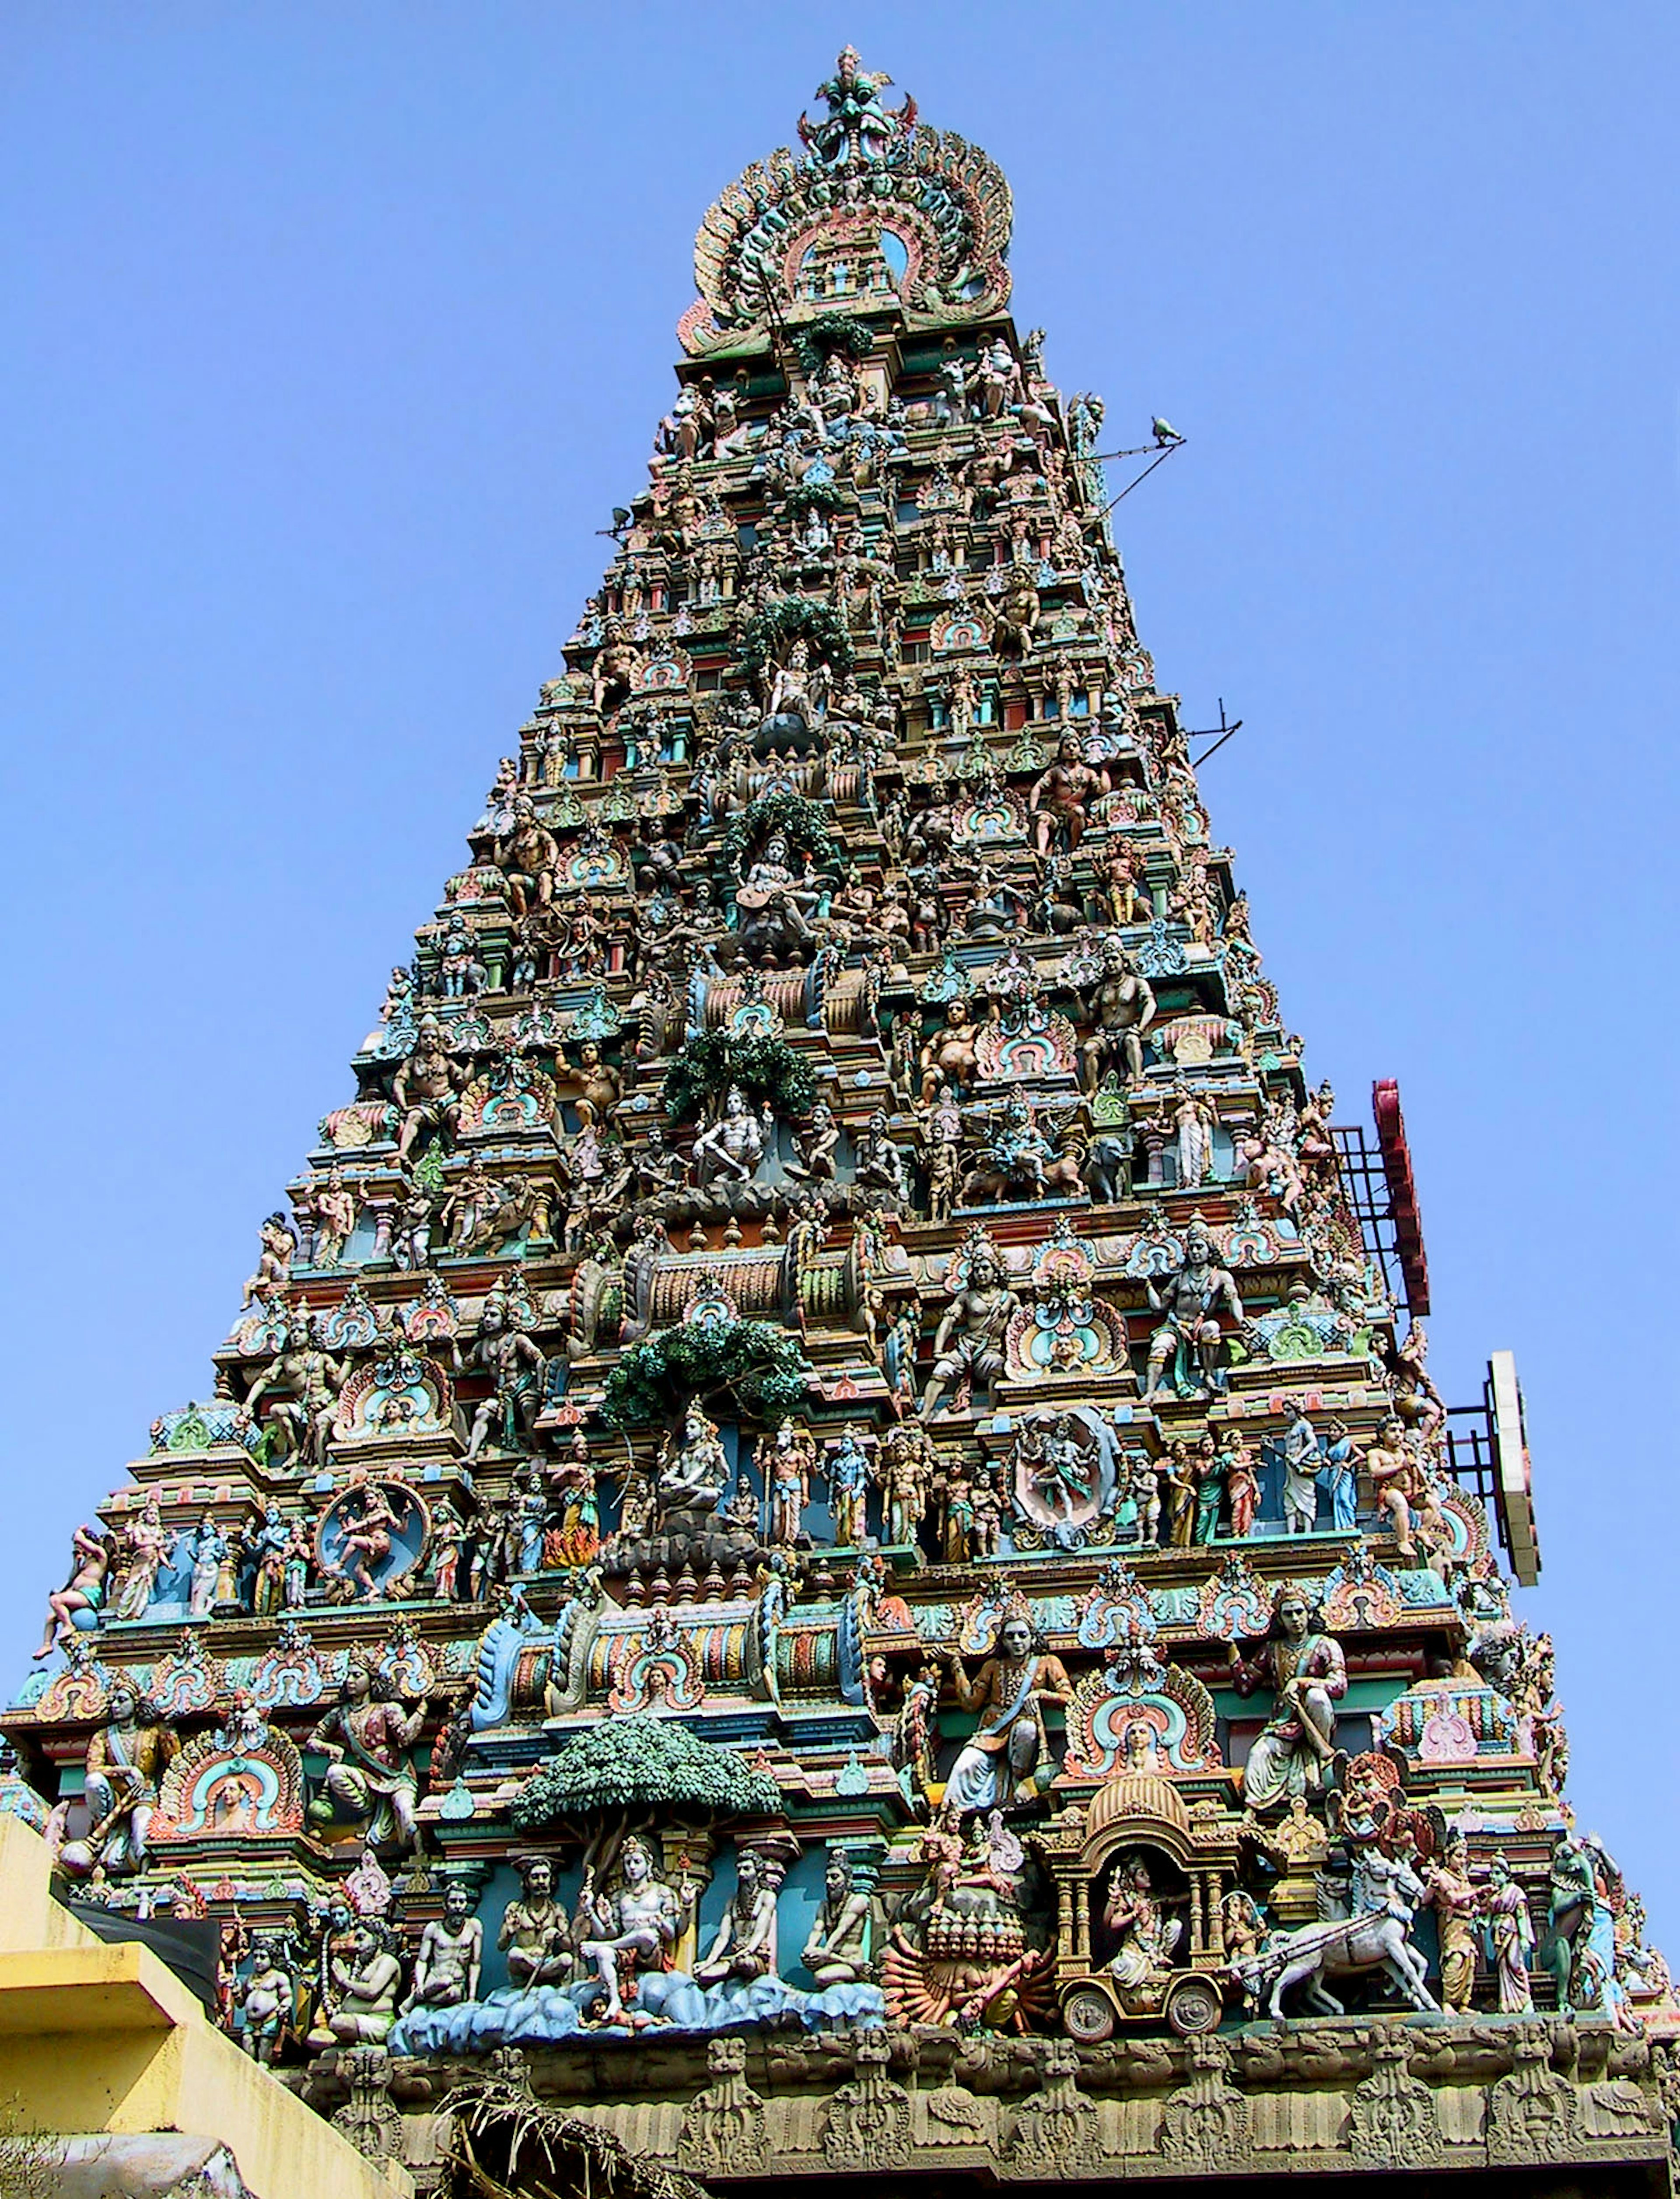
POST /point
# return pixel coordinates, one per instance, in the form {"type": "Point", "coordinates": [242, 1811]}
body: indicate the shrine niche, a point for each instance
{"type": "Point", "coordinates": [373, 1536]}
{"type": "Point", "coordinates": [1138, 1717]}
{"type": "Point", "coordinates": [229, 1789]}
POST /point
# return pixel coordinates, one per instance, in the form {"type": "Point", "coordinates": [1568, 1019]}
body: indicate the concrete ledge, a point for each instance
{"type": "Point", "coordinates": [102, 2038]}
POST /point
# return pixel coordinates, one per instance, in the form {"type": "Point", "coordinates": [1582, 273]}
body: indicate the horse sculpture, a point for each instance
{"type": "Point", "coordinates": [1386, 1892]}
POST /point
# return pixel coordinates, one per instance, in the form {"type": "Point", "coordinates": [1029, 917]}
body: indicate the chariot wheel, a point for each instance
{"type": "Point", "coordinates": [1088, 2015]}
{"type": "Point", "coordinates": [1193, 2004]}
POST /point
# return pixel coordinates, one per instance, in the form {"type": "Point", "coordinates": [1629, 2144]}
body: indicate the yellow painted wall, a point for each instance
{"type": "Point", "coordinates": [100, 2037]}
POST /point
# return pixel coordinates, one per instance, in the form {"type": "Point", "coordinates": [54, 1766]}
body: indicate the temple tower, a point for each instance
{"type": "Point", "coordinates": [824, 1514]}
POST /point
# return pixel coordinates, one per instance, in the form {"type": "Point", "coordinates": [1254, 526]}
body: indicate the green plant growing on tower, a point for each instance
{"type": "Point", "coordinates": [769, 634]}
{"type": "Point", "coordinates": [753, 1368]}
{"type": "Point", "coordinates": [764, 1068]}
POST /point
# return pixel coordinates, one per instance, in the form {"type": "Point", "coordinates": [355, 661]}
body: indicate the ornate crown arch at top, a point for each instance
{"type": "Point", "coordinates": [926, 212]}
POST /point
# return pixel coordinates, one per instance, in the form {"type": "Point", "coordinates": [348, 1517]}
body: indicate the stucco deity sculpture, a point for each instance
{"type": "Point", "coordinates": [633, 1927]}
{"type": "Point", "coordinates": [1308, 1672]}
{"type": "Point", "coordinates": [968, 1344]}
{"type": "Point", "coordinates": [1190, 1336]}
{"type": "Point", "coordinates": [1009, 1746]}
{"type": "Point", "coordinates": [535, 1933]}
{"type": "Point", "coordinates": [743, 1948]}
{"type": "Point", "coordinates": [837, 1952]}
{"type": "Point", "coordinates": [1060, 799]}
{"type": "Point", "coordinates": [123, 1771]}
{"type": "Point", "coordinates": [450, 1954]}
{"type": "Point", "coordinates": [1122, 1007]}
{"type": "Point", "coordinates": [369, 1782]}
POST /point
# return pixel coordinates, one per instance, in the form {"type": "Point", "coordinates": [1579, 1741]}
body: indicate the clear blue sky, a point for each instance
{"type": "Point", "coordinates": [332, 333]}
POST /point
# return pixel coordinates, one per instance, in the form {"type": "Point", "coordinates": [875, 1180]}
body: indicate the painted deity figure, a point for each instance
{"type": "Point", "coordinates": [837, 1950]}
{"type": "Point", "coordinates": [527, 854]}
{"type": "Point", "coordinates": [1242, 1483]}
{"type": "Point", "coordinates": [908, 1466]}
{"type": "Point", "coordinates": [968, 1344]}
{"type": "Point", "coordinates": [266, 2001]}
{"type": "Point", "coordinates": [1190, 1335]}
{"type": "Point", "coordinates": [797, 689]}
{"type": "Point", "coordinates": [786, 1459]}
{"type": "Point", "coordinates": [1456, 1902]}
{"type": "Point", "coordinates": [369, 1780]}
{"type": "Point", "coordinates": [367, 1524]}
{"type": "Point", "coordinates": [695, 1469]}
{"type": "Point", "coordinates": [1060, 799]}
{"type": "Point", "coordinates": [84, 1591]}
{"type": "Point", "coordinates": [425, 1090]}
{"type": "Point", "coordinates": [278, 1244]}
{"type": "Point", "coordinates": [1406, 1491]}
{"type": "Point", "coordinates": [124, 1769]}
{"type": "Point", "coordinates": [1306, 1668]}
{"type": "Point", "coordinates": [1510, 1936]}
{"type": "Point", "coordinates": [1147, 1938]}
{"type": "Point", "coordinates": [1009, 1745]}
{"type": "Point", "coordinates": [1301, 1460]}
{"type": "Point", "coordinates": [535, 1934]}
{"type": "Point", "coordinates": [450, 1954]}
{"type": "Point", "coordinates": [775, 906]}
{"type": "Point", "coordinates": [332, 1209]}
{"type": "Point", "coordinates": [743, 1949]}
{"type": "Point", "coordinates": [365, 1976]}
{"type": "Point", "coordinates": [514, 1362]}
{"type": "Point", "coordinates": [849, 1492]}
{"type": "Point", "coordinates": [732, 1147]}
{"type": "Point", "coordinates": [1122, 1010]}
{"type": "Point", "coordinates": [304, 1382]}
{"type": "Point", "coordinates": [268, 1541]}
{"type": "Point", "coordinates": [634, 1928]}
{"type": "Point", "coordinates": [146, 1545]}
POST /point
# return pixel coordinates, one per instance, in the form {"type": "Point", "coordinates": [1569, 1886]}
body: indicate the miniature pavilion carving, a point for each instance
{"type": "Point", "coordinates": [823, 1536]}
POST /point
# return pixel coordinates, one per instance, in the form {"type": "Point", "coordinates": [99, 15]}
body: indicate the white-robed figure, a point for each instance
{"type": "Point", "coordinates": [1010, 1692]}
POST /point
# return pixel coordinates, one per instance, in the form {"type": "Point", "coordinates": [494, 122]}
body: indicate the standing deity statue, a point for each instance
{"type": "Point", "coordinates": [968, 1344]}
{"type": "Point", "coordinates": [145, 1545]}
{"type": "Point", "coordinates": [1455, 1901]}
{"type": "Point", "coordinates": [332, 1209]}
{"type": "Point", "coordinates": [1122, 1010]}
{"type": "Point", "coordinates": [425, 1090]}
{"type": "Point", "coordinates": [1510, 1936]}
{"type": "Point", "coordinates": [514, 1365]}
{"type": "Point", "coordinates": [849, 1492]}
{"type": "Point", "coordinates": [907, 1469]}
{"type": "Point", "coordinates": [786, 1459]}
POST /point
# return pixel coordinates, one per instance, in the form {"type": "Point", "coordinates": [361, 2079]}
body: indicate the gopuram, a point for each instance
{"type": "Point", "coordinates": [823, 1543]}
